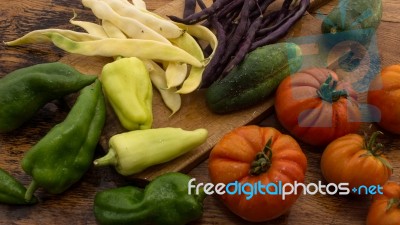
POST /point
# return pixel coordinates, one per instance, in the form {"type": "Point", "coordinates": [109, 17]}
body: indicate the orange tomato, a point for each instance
{"type": "Point", "coordinates": [253, 155]}
{"type": "Point", "coordinates": [355, 160]}
{"type": "Point", "coordinates": [384, 93]}
{"type": "Point", "coordinates": [316, 108]}
{"type": "Point", "coordinates": [385, 208]}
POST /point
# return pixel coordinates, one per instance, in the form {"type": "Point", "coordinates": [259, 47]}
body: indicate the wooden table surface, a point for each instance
{"type": "Point", "coordinates": [75, 206]}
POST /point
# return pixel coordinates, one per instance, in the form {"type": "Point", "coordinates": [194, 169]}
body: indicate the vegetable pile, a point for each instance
{"type": "Point", "coordinates": [239, 66]}
{"type": "Point", "coordinates": [241, 26]}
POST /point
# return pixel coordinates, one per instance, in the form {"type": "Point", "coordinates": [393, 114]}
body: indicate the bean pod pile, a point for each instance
{"type": "Point", "coordinates": [241, 26]}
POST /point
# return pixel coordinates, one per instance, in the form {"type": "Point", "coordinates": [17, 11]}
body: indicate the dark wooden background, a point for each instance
{"type": "Point", "coordinates": [75, 206]}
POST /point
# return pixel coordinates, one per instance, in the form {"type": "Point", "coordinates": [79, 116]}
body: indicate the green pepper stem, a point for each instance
{"type": "Point", "coordinates": [262, 161]}
{"type": "Point", "coordinates": [33, 186]}
{"type": "Point", "coordinates": [328, 92]}
{"type": "Point", "coordinates": [109, 159]}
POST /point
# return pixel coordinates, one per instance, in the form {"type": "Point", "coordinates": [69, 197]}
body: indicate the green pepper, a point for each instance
{"type": "Point", "coordinates": [62, 157]}
{"type": "Point", "coordinates": [24, 91]}
{"type": "Point", "coordinates": [132, 152]}
{"type": "Point", "coordinates": [12, 191]}
{"type": "Point", "coordinates": [127, 86]}
{"type": "Point", "coordinates": [164, 201]}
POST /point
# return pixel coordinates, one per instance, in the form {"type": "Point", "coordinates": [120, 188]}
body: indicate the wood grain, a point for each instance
{"type": "Point", "coordinates": [75, 206]}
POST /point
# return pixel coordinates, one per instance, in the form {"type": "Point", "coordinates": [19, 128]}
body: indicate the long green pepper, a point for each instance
{"type": "Point", "coordinates": [12, 191]}
{"type": "Point", "coordinates": [63, 156]}
{"type": "Point", "coordinates": [24, 91]}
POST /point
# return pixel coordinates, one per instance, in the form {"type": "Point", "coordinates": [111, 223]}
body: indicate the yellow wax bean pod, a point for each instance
{"type": "Point", "coordinates": [189, 44]}
{"type": "Point", "coordinates": [162, 26]}
{"type": "Point", "coordinates": [169, 96]}
{"type": "Point", "coordinates": [175, 74]}
{"type": "Point", "coordinates": [202, 33]}
{"type": "Point", "coordinates": [111, 30]}
{"type": "Point", "coordinates": [140, 4]}
{"type": "Point", "coordinates": [131, 27]}
{"type": "Point", "coordinates": [43, 36]}
{"type": "Point", "coordinates": [155, 14]}
{"type": "Point", "coordinates": [193, 80]}
{"type": "Point", "coordinates": [109, 47]}
{"type": "Point", "coordinates": [91, 28]}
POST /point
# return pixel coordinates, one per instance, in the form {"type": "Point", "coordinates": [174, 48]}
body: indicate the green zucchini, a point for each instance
{"type": "Point", "coordinates": [255, 78]}
{"type": "Point", "coordinates": [360, 18]}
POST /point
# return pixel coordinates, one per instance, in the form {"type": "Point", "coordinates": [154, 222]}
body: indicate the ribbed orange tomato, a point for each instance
{"type": "Point", "coordinates": [252, 155]}
{"type": "Point", "coordinates": [385, 208]}
{"type": "Point", "coordinates": [356, 160]}
{"type": "Point", "coordinates": [315, 107]}
{"type": "Point", "coordinates": [384, 93]}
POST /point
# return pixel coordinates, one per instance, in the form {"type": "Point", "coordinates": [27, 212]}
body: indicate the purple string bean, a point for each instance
{"type": "Point", "coordinates": [189, 8]}
{"type": "Point", "coordinates": [283, 29]}
{"type": "Point", "coordinates": [241, 26]}
{"type": "Point", "coordinates": [202, 15]}
{"type": "Point", "coordinates": [244, 47]}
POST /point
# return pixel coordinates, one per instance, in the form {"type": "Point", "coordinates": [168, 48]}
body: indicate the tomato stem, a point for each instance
{"type": "Point", "coordinates": [328, 93]}
{"type": "Point", "coordinates": [375, 149]}
{"type": "Point", "coordinates": [371, 145]}
{"type": "Point", "coordinates": [393, 202]}
{"type": "Point", "coordinates": [262, 161]}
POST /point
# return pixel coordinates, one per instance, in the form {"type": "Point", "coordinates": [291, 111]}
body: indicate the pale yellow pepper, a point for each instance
{"type": "Point", "coordinates": [128, 88]}
{"type": "Point", "coordinates": [132, 152]}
